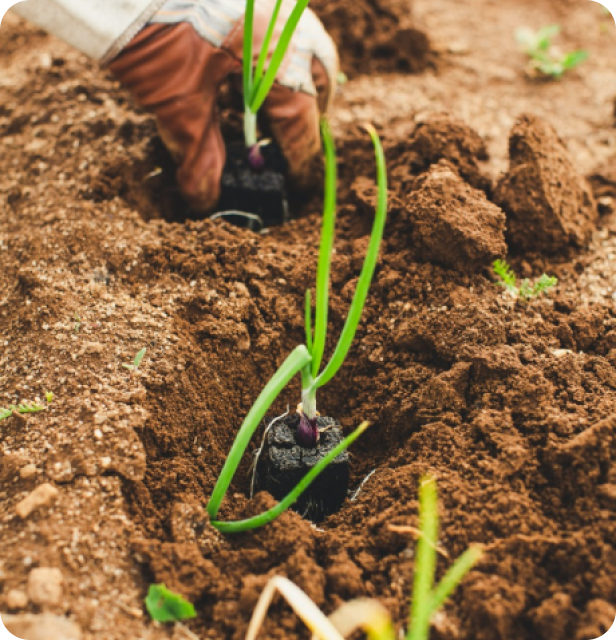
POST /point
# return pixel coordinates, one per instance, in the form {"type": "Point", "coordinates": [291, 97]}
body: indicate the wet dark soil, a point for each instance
{"type": "Point", "coordinates": [509, 405]}
{"type": "Point", "coordinates": [284, 462]}
{"type": "Point", "coordinates": [260, 193]}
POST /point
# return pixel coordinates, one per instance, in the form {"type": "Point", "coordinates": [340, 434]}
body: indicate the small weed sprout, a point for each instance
{"type": "Point", "coordinates": [259, 81]}
{"type": "Point", "coordinates": [306, 358]}
{"type": "Point", "coordinates": [136, 362]}
{"type": "Point", "coordinates": [369, 615]}
{"type": "Point", "coordinates": [546, 59]}
{"type": "Point", "coordinates": [526, 291]}
{"type": "Point", "coordinates": [166, 606]}
{"type": "Point", "coordinates": [49, 396]}
{"type": "Point", "coordinates": [78, 323]}
{"type": "Point", "coordinates": [31, 407]}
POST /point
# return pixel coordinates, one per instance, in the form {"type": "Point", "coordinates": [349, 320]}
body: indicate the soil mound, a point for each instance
{"type": "Point", "coordinates": [603, 182]}
{"type": "Point", "coordinates": [442, 136]}
{"type": "Point", "coordinates": [549, 205]}
{"type": "Point", "coordinates": [454, 224]}
{"type": "Point", "coordinates": [375, 35]}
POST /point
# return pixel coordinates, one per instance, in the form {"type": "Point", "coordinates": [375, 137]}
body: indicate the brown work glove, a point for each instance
{"type": "Point", "coordinates": [173, 71]}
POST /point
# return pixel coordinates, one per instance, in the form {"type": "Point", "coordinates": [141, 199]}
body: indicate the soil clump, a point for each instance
{"type": "Point", "coordinates": [549, 205]}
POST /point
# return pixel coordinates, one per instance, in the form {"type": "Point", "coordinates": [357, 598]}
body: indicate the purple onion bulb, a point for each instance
{"type": "Point", "coordinates": [307, 434]}
{"type": "Point", "coordinates": [255, 158]}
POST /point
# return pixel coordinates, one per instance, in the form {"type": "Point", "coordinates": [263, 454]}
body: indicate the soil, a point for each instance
{"type": "Point", "coordinates": [510, 406]}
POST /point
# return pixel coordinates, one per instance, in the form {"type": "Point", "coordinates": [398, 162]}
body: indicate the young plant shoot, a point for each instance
{"type": "Point", "coordinates": [545, 59]}
{"type": "Point", "coordinates": [20, 409]}
{"type": "Point", "coordinates": [312, 376]}
{"type": "Point", "coordinates": [166, 606]}
{"type": "Point", "coordinates": [525, 291]}
{"type": "Point", "coordinates": [369, 615]}
{"type": "Point", "coordinates": [306, 359]}
{"type": "Point", "coordinates": [259, 81]}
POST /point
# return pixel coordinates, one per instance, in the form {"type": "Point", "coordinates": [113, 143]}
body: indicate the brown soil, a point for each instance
{"type": "Point", "coordinates": [511, 406]}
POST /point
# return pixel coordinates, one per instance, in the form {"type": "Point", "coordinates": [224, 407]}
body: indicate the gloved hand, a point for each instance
{"type": "Point", "coordinates": [176, 65]}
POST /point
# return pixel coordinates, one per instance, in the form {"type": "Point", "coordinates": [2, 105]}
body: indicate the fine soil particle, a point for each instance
{"type": "Point", "coordinates": [509, 404]}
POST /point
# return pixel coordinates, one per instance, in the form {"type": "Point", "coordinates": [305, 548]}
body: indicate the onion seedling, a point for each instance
{"type": "Point", "coordinates": [367, 614]}
{"type": "Point", "coordinates": [306, 359]}
{"type": "Point", "coordinates": [259, 81]}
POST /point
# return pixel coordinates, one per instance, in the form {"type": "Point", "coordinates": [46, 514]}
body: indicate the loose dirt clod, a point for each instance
{"type": "Point", "coordinates": [549, 205]}
{"type": "Point", "coordinates": [16, 599]}
{"type": "Point", "coordinates": [44, 626]}
{"type": "Point", "coordinates": [398, 43]}
{"type": "Point", "coordinates": [45, 586]}
{"type": "Point", "coordinates": [454, 224]}
{"type": "Point", "coordinates": [43, 496]}
{"type": "Point", "coordinates": [441, 136]}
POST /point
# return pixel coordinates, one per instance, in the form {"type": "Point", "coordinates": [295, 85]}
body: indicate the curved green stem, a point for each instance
{"type": "Point", "coordinates": [325, 250]}
{"type": "Point", "coordinates": [365, 278]}
{"type": "Point", "coordinates": [270, 515]}
{"type": "Point", "coordinates": [296, 360]}
{"type": "Point", "coordinates": [454, 576]}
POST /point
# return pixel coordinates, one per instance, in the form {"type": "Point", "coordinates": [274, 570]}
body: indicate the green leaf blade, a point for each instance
{"type": "Point", "coordinates": [308, 319]}
{"type": "Point", "coordinates": [164, 605]}
{"type": "Point", "coordinates": [296, 360]}
{"type": "Point", "coordinates": [365, 278]}
{"type": "Point", "coordinates": [139, 357]}
{"type": "Point", "coordinates": [247, 52]}
{"type": "Point", "coordinates": [425, 563]}
{"type": "Point", "coordinates": [454, 576]}
{"type": "Point", "coordinates": [260, 92]}
{"type": "Point", "coordinates": [325, 250]}
{"type": "Point", "coordinates": [258, 74]}
{"type": "Point", "coordinates": [574, 58]}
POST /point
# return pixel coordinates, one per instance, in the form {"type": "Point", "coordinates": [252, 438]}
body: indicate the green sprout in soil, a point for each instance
{"type": "Point", "coordinates": [526, 291]}
{"type": "Point", "coordinates": [136, 361]}
{"type": "Point", "coordinates": [166, 606]}
{"type": "Point", "coordinates": [259, 81]}
{"type": "Point", "coordinates": [49, 396]}
{"type": "Point", "coordinates": [306, 359]}
{"type": "Point", "coordinates": [20, 408]}
{"type": "Point", "coordinates": [545, 59]}
{"type": "Point", "coordinates": [369, 615]}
